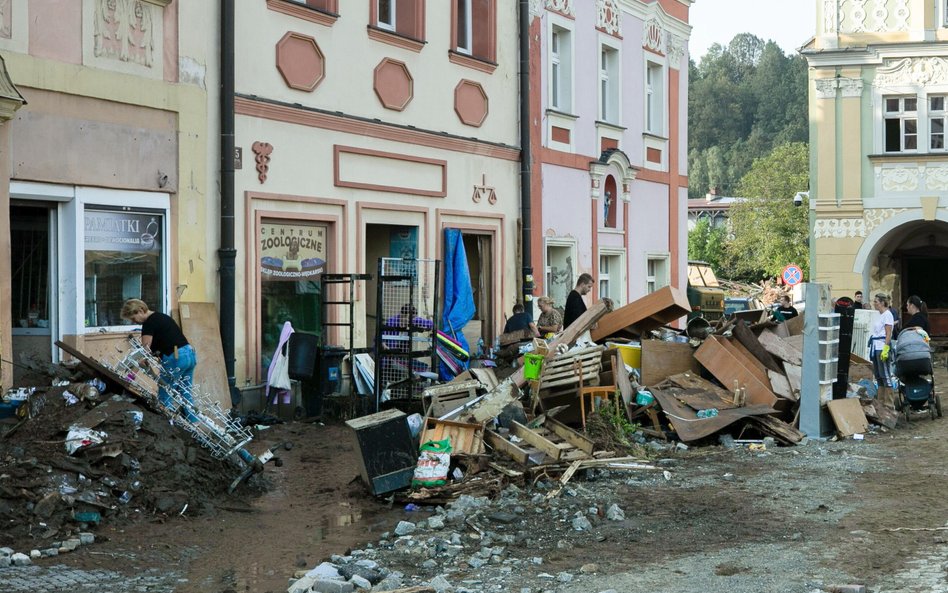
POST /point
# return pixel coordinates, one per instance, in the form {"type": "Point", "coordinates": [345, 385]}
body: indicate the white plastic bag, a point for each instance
{"type": "Point", "coordinates": [80, 437]}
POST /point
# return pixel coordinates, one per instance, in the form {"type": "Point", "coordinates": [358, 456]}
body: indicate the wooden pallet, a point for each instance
{"type": "Point", "coordinates": [556, 441]}
{"type": "Point", "coordinates": [465, 437]}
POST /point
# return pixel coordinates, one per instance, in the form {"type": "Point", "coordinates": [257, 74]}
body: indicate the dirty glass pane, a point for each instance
{"type": "Point", "coordinates": [891, 105]}
{"type": "Point", "coordinates": [911, 104]}
{"type": "Point", "coordinates": [937, 103]}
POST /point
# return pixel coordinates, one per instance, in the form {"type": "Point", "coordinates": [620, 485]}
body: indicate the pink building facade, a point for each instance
{"type": "Point", "coordinates": [609, 82]}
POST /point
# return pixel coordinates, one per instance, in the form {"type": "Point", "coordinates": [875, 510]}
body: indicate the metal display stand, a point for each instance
{"type": "Point", "coordinates": [407, 329]}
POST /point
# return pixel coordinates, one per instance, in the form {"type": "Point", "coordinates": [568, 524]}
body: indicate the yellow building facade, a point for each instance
{"type": "Point", "coordinates": [879, 163]}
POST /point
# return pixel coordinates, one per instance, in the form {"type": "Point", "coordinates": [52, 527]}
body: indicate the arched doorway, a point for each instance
{"type": "Point", "coordinates": [911, 258]}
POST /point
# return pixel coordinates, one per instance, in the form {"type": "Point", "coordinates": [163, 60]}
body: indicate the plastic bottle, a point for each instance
{"type": "Point", "coordinates": [709, 413]}
{"type": "Point", "coordinates": [480, 347]}
{"type": "Point", "coordinates": [125, 497]}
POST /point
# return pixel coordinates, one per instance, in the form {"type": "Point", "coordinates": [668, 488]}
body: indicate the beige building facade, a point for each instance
{"type": "Point", "coordinates": [879, 162]}
{"type": "Point", "coordinates": [367, 129]}
{"type": "Point", "coordinates": [108, 172]}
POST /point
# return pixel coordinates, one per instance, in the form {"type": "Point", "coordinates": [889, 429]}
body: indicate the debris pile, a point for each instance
{"type": "Point", "coordinates": [79, 455]}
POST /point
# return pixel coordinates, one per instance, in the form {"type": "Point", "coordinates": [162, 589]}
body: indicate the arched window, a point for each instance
{"type": "Point", "coordinates": [610, 202]}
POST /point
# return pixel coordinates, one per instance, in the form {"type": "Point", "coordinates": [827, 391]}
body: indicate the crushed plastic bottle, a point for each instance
{"type": "Point", "coordinates": [709, 413]}
{"type": "Point", "coordinates": [410, 507]}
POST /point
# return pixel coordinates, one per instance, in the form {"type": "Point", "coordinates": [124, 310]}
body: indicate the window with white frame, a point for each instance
{"type": "Point", "coordinates": [936, 122]}
{"type": "Point", "coordinates": [608, 84]}
{"type": "Point", "coordinates": [610, 277]}
{"type": "Point", "coordinates": [901, 123]}
{"type": "Point", "coordinates": [386, 14]}
{"type": "Point", "coordinates": [464, 44]}
{"type": "Point", "coordinates": [657, 273]}
{"type": "Point", "coordinates": [561, 67]}
{"type": "Point", "coordinates": [654, 98]}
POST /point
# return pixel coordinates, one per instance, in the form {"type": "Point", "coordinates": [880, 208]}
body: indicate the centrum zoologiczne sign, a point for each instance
{"type": "Point", "coordinates": [292, 251]}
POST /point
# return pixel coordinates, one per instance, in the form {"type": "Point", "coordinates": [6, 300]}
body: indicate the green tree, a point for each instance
{"type": "Point", "coordinates": [706, 243]}
{"type": "Point", "coordinates": [768, 230]}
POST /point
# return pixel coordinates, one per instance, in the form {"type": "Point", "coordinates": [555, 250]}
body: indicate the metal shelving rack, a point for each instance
{"type": "Point", "coordinates": [407, 308]}
{"type": "Point", "coordinates": [346, 302]}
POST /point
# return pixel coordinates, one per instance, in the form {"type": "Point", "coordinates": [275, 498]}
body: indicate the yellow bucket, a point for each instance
{"type": "Point", "coordinates": [631, 354]}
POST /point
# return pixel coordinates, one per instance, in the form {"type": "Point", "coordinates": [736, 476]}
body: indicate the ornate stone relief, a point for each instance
{"type": "Point", "coordinates": [6, 19]}
{"type": "Point", "coordinates": [563, 6]}
{"type": "Point", "coordinates": [484, 192]}
{"type": "Point", "coordinates": [850, 87]}
{"type": "Point", "coordinates": [897, 179]}
{"type": "Point", "coordinates": [857, 16]}
{"type": "Point", "coordinates": [918, 71]}
{"type": "Point", "coordinates": [826, 88]}
{"type": "Point", "coordinates": [125, 31]}
{"type": "Point", "coordinates": [653, 35]}
{"type": "Point", "coordinates": [262, 151]}
{"type": "Point", "coordinates": [880, 16]}
{"type": "Point", "coordinates": [842, 228]}
{"type": "Point", "coordinates": [901, 15]}
{"type": "Point", "coordinates": [609, 17]}
{"type": "Point", "coordinates": [830, 16]}
{"type": "Point", "coordinates": [676, 50]}
{"type": "Point", "coordinates": [936, 178]}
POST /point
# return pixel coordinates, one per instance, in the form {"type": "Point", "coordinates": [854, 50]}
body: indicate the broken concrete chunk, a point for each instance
{"type": "Point", "coordinates": [614, 513]}
{"type": "Point", "coordinates": [404, 528]}
{"type": "Point", "coordinates": [19, 559]}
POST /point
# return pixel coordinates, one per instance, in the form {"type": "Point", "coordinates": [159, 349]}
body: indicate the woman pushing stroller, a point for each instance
{"type": "Point", "coordinates": [880, 340]}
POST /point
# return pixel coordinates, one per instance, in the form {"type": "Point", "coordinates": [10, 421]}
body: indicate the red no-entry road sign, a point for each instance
{"type": "Point", "coordinates": [792, 275]}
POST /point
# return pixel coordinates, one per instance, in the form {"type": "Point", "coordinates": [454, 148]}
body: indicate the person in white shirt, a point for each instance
{"type": "Point", "coordinates": [879, 342]}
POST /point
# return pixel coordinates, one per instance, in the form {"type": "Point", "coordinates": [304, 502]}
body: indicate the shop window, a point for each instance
{"type": "Point", "coordinates": [124, 259]}
{"type": "Point", "coordinates": [292, 258]}
{"type": "Point", "coordinates": [474, 28]}
{"type": "Point", "coordinates": [29, 256]}
{"type": "Point", "coordinates": [402, 17]}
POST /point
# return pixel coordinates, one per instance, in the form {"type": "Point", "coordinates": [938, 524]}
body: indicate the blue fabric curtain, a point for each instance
{"type": "Point", "coordinates": [458, 295]}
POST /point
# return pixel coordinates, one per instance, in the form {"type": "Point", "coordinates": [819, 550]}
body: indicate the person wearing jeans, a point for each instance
{"type": "Point", "coordinates": [162, 336]}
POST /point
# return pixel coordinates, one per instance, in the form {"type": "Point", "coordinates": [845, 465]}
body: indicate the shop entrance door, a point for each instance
{"type": "Point", "coordinates": [31, 301]}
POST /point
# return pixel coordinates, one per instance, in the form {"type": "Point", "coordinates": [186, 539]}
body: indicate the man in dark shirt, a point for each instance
{"type": "Point", "coordinates": [575, 306]}
{"type": "Point", "coordinates": [520, 320]}
{"type": "Point", "coordinates": [857, 301]}
{"type": "Point", "coordinates": [786, 308]}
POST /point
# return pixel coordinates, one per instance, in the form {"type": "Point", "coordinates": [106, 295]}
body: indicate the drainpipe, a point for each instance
{"type": "Point", "coordinates": [227, 253]}
{"type": "Point", "coordinates": [526, 251]}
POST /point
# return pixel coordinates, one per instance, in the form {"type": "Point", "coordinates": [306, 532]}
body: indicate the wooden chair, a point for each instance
{"type": "Point", "coordinates": [592, 392]}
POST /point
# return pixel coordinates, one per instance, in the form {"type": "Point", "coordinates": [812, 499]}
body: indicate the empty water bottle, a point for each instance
{"type": "Point", "coordinates": [709, 413]}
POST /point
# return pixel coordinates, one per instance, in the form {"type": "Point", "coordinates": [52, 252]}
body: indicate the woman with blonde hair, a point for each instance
{"type": "Point", "coordinates": [550, 320]}
{"type": "Point", "coordinates": [879, 343]}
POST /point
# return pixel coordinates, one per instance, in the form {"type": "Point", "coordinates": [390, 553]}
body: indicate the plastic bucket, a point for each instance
{"type": "Point", "coordinates": [532, 364]}
{"type": "Point", "coordinates": [698, 328]}
{"type": "Point", "coordinates": [631, 354]}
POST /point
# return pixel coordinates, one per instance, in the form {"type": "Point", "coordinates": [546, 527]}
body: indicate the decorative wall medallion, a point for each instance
{"type": "Point", "coordinates": [6, 19]}
{"type": "Point", "coordinates": [484, 192]}
{"type": "Point", "coordinates": [393, 84]}
{"type": "Point", "coordinates": [124, 31]}
{"type": "Point", "coordinates": [880, 17]}
{"type": "Point", "coordinates": [300, 61]}
{"type": "Point", "coordinates": [918, 71]}
{"type": "Point", "coordinates": [901, 15]}
{"type": "Point", "coordinates": [857, 16]}
{"type": "Point", "coordinates": [850, 87]}
{"type": "Point", "coordinates": [826, 88]}
{"type": "Point", "coordinates": [936, 178]}
{"type": "Point", "coordinates": [653, 35]}
{"type": "Point", "coordinates": [562, 6]}
{"type": "Point", "coordinates": [470, 103]}
{"type": "Point", "coordinates": [609, 17]}
{"type": "Point", "coordinates": [261, 151]}
{"type": "Point", "coordinates": [901, 178]}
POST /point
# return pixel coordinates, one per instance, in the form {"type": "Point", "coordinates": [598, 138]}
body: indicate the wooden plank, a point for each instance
{"type": "Point", "coordinates": [649, 312]}
{"type": "Point", "coordinates": [848, 416]}
{"type": "Point", "coordinates": [779, 347]}
{"type": "Point", "coordinates": [465, 437]}
{"type": "Point", "coordinates": [107, 374]}
{"type": "Point", "coordinates": [704, 400]}
{"type": "Point", "coordinates": [594, 374]}
{"type": "Point", "coordinates": [591, 366]}
{"type": "Point", "coordinates": [452, 388]}
{"type": "Point", "coordinates": [580, 441]}
{"type": "Point", "coordinates": [777, 428]}
{"type": "Point", "coordinates": [781, 385]}
{"type": "Point", "coordinates": [747, 339]}
{"type": "Point", "coordinates": [747, 359]}
{"type": "Point", "coordinates": [200, 324]}
{"type": "Point", "coordinates": [569, 335]}
{"type": "Point", "coordinates": [536, 440]}
{"type": "Point", "coordinates": [510, 449]}
{"type": "Point", "coordinates": [795, 325]}
{"type": "Point", "coordinates": [514, 337]}
{"type": "Point", "coordinates": [623, 382]}
{"type": "Point", "coordinates": [661, 360]}
{"type": "Point", "coordinates": [727, 368]}
{"type": "Point", "coordinates": [691, 428]}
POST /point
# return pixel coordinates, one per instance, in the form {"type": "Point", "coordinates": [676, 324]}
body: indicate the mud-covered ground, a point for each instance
{"type": "Point", "coordinates": [786, 519]}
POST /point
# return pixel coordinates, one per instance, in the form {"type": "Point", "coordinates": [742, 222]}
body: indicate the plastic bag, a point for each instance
{"type": "Point", "coordinates": [80, 437]}
{"type": "Point", "coordinates": [280, 377]}
{"type": "Point", "coordinates": [433, 464]}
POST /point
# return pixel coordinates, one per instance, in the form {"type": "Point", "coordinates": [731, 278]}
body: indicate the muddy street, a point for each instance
{"type": "Point", "coordinates": [710, 519]}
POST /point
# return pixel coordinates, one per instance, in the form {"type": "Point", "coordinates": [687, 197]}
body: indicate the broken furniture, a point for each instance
{"type": "Point", "coordinates": [339, 300]}
{"type": "Point", "coordinates": [466, 438]}
{"type": "Point", "coordinates": [551, 441]}
{"type": "Point", "coordinates": [449, 397]}
{"type": "Point", "coordinates": [388, 454]}
{"type": "Point", "coordinates": [645, 314]}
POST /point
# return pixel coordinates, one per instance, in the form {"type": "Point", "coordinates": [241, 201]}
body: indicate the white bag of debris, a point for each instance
{"type": "Point", "coordinates": [433, 464]}
{"type": "Point", "coordinates": [80, 437]}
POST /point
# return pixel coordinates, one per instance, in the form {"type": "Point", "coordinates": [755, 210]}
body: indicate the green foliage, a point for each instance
{"type": "Point", "coordinates": [768, 230]}
{"type": "Point", "coordinates": [744, 99]}
{"type": "Point", "coordinates": [707, 243]}
{"type": "Point", "coordinates": [618, 422]}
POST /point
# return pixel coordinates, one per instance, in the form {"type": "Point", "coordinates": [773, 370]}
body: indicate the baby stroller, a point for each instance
{"type": "Point", "coordinates": [913, 367]}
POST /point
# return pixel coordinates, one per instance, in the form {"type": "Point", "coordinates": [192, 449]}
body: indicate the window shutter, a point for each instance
{"type": "Point", "coordinates": [483, 29]}
{"type": "Point", "coordinates": [406, 18]}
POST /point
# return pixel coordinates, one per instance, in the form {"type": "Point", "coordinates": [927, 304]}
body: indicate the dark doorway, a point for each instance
{"type": "Point", "coordinates": [923, 274]}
